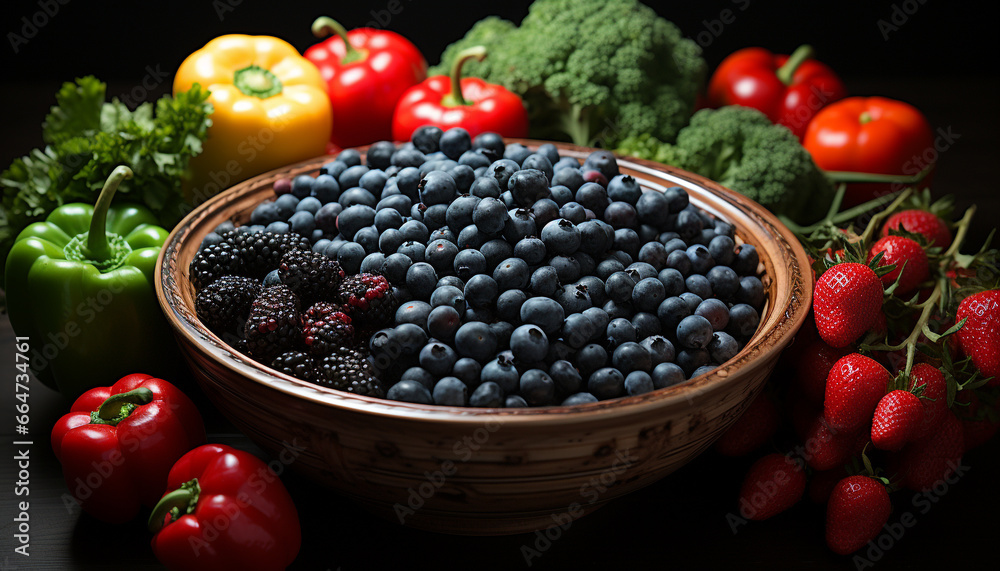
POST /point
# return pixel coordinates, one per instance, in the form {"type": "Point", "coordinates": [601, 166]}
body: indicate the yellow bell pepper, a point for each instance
{"type": "Point", "coordinates": [271, 109]}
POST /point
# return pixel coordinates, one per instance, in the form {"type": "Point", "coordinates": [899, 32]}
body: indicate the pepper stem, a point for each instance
{"type": "Point", "coordinates": [184, 498]}
{"type": "Point", "coordinates": [851, 176]}
{"type": "Point", "coordinates": [325, 26]}
{"type": "Point", "coordinates": [255, 81]}
{"type": "Point", "coordinates": [116, 408]}
{"type": "Point", "coordinates": [787, 70]}
{"type": "Point", "coordinates": [455, 98]}
{"type": "Point", "coordinates": [97, 239]}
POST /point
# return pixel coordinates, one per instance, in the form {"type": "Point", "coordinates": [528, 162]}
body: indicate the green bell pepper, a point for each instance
{"type": "Point", "coordinates": [80, 286]}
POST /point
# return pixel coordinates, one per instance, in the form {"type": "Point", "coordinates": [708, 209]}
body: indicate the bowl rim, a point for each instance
{"type": "Point", "coordinates": [779, 323]}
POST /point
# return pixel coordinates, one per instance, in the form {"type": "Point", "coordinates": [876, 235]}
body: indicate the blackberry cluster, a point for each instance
{"type": "Point", "coordinates": [273, 325]}
{"type": "Point", "coordinates": [486, 274]}
{"type": "Point", "coordinates": [224, 304]}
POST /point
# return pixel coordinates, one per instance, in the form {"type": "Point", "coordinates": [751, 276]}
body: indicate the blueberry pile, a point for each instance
{"type": "Point", "coordinates": [471, 272]}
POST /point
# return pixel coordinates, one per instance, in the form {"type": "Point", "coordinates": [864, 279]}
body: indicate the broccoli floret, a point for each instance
{"type": "Point", "coordinates": [590, 70]}
{"type": "Point", "coordinates": [739, 148]}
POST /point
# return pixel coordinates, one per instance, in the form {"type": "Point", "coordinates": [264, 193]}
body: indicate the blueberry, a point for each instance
{"type": "Point", "coordinates": [692, 300]}
{"type": "Point", "coordinates": [265, 213]}
{"type": "Point", "coordinates": [631, 356]}
{"type": "Point", "coordinates": [496, 251]}
{"type": "Point", "coordinates": [372, 263]}
{"type": "Point", "coordinates": [437, 358]}
{"type": "Point", "coordinates": [395, 268]}
{"type": "Point", "coordinates": [467, 370]}
{"type": "Point", "coordinates": [486, 187]}
{"type": "Point", "coordinates": [562, 195]}
{"type": "Point", "coordinates": [648, 294]}
{"type": "Point", "coordinates": [210, 239]}
{"type": "Point", "coordinates": [400, 203]}
{"type": "Point", "coordinates": [574, 299]}
{"type": "Point", "coordinates": [723, 347]}
{"type": "Point", "coordinates": [503, 331]}
{"type": "Point", "coordinates": [309, 204]}
{"type": "Point", "coordinates": [390, 238]}
{"type": "Point", "coordinates": [405, 157]}
{"type": "Point", "coordinates": [475, 159]}
{"type": "Point", "coordinates": [415, 231]}
{"type": "Point", "coordinates": [520, 224]}
{"type": "Point", "coordinates": [751, 292]}
{"type": "Point", "coordinates": [409, 391]}
{"type": "Point", "coordinates": [333, 168]}
{"type": "Point", "coordinates": [302, 186]}
{"type": "Point", "coordinates": [590, 358]}
{"type": "Point", "coordinates": [515, 401]}
{"type": "Point", "coordinates": [421, 279]}
{"type": "Point", "coordinates": [690, 360]}
{"type": "Point", "coordinates": [698, 285]}
{"type": "Point", "coordinates": [603, 162]}
{"type": "Point", "coordinates": [570, 178]}
{"type": "Point", "coordinates": [606, 383]}
{"type": "Point", "coordinates": [441, 254]}
{"type": "Point", "coordinates": [627, 240]}
{"type": "Point", "coordinates": [459, 213]}
{"type": "Point", "coordinates": [272, 279]}
{"type": "Point", "coordinates": [350, 157]}
{"type": "Point", "coordinates": [544, 312]}
{"type": "Point", "coordinates": [715, 311]}
{"type": "Point", "coordinates": [577, 330]}
{"type": "Point", "coordinates": [476, 340]}
{"type": "Point", "coordinates": [502, 170]}
{"type": "Point", "coordinates": [511, 273]}
{"type": "Point", "coordinates": [380, 154]}
{"type": "Point", "coordinates": [621, 215]}
{"type": "Point", "coordinates": [539, 162]}
{"type": "Point", "coordinates": [743, 320]}
{"type": "Point", "coordinates": [694, 332]}
{"type": "Point", "coordinates": [449, 295]}
{"type": "Point", "coordinates": [702, 370]}
{"type": "Point", "coordinates": [509, 305]}
{"type": "Point", "coordinates": [677, 198]}
{"type": "Point", "coordinates": [529, 343]}
{"type": "Point", "coordinates": [620, 330]}
{"type": "Point", "coordinates": [638, 382]}
{"type": "Point", "coordinates": [443, 234]}
{"type": "Point", "coordinates": [579, 398]}
{"type": "Point", "coordinates": [355, 218]}
{"type": "Point", "coordinates": [561, 237]}
{"type": "Point", "coordinates": [678, 260]}
{"type": "Point", "coordinates": [618, 310]}
{"type": "Point", "coordinates": [477, 314]}
{"type": "Point", "coordinates": [333, 250]}
{"type": "Point", "coordinates": [667, 375]}
{"type": "Point", "coordinates": [619, 286]}
{"type": "Point", "coordinates": [418, 375]}
{"type": "Point", "coordinates": [646, 324]}
{"type": "Point", "coordinates": [450, 391]}
{"type": "Point", "coordinates": [426, 138]}
{"type": "Point", "coordinates": [352, 176]}
{"type": "Point", "coordinates": [368, 239]}
{"type": "Point", "coordinates": [490, 141]}
{"type": "Point", "coordinates": [481, 290]}
{"type": "Point", "coordinates": [600, 319]}
{"type": "Point", "coordinates": [528, 186]}
{"type": "Point", "coordinates": [373, 181]}
{"type": "Point", "coordinates": [537, 387]}
{"type": "Point", "coordinates": [660, 349]}
{"type": "Point", "coordinates": [286, 204]}
{"type": "Point", "coordinates": [544, 281]}
{"type": "Point", "coordinates": [544, 210]}
{"type": "Point", "coordinates": [724, 282]}
{"type": "Point", "coordinates": [410, 337]}
{"type": "Point", "coordinates": [516, 152]}
{"type": "Point", "coordinates": [501, 372]}
{"type": "Point", "coordinates": [278, 228]}
{"type": "Point", "coordinates": [688, 225]}
{"type": "Point", "coordinates": [453, 281]}
{"type": "Point", "coordinates": [489, 215]}
{"type": "Point", "coordinates": [607, 267]}
{"type": "Point", "coordinates": [436, 216]}
{"type": "Point", "coordinates": [593, 197]}
{"type": "Point", "coordinates": [454, 142]}
{"type": "Point", "coordinates": [746, 260]}
{"type": "Point", "coordinates": [624, 188]}
{"type": "Point", "coordinates": [357, 195]}
{"type": "Point", "coordinates": [653, 208]}
{"type": "Point", "coordinates": [595, 289]}
{"type": "Point", "coordinates": [487, 395]}
{"type": "Point", "coordinates": [302, 222]}
{"type": "Point", "coordinates": [531, 250]}
{"type": "Point", "coordinates": [723, 250]}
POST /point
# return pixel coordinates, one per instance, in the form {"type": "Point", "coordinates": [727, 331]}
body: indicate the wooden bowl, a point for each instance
{"type": "Point", "coordinates": [486, 471]}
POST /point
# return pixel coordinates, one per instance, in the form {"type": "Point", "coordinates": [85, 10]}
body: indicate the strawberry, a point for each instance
{"type": "Point", "coordinates": [846, 301]}
{"type": "Point", "coordinates": [924, 462]}
{"type": "Point", "coordinates": [772, 485]}
{"type": "Point", "coordinates": [826, 447]}
{"type": "Point", "coordinates": [858, 508]}
{"type": "Point", "coordinates": [909, 258]}
{"type": "Point", "coordinates": [979, 338]}
{"type": "Point", "coordinates": [897, 417]}
{"type": "Point", "coordinates": [935, 397]}
{"type": "Point", "coordinates": [920, 222]}
{"type": "Point", "coordinates": [813, 366]}
{"type": "Point", "coordinates": [853, 389]}
{"type": "Point", "coordinates": [751, 431]}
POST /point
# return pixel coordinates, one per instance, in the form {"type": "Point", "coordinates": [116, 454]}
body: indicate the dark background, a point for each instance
{"type": "Point", "coordinates": [942, 58]}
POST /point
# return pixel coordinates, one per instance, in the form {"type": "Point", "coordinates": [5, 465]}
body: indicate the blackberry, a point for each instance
{"type": "Point", "coordinates": [223, 304]}
{"type": "Point", "coordinates": [314, 277]}
{"type": "Point", "coordinates": [325, 327]}
{"type": "Point", "coordinates": [348, 369]}
{"type": "Point", "coordinates": [368, 299]}
{"type": "Point", "coordinates": [212, 262]}
{"type": "Point", "coordinates": [261, 252]}
{"type": "Point", "coordinates": [295, 363]}
{"type": "Point", "coordinates": [273, 325]}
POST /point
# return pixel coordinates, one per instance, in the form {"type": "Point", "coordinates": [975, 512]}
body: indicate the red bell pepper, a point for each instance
{"type": "Point", "coordinates": [871, 135]}
{"type": "Point", "coordinates": [367, 71]}
{"type": "Point", "coordinates": [470, 103]}
{"type": "Point", "coordinates": [118, 443]}
{"type": "Point", "coordinates": [226, 510]}
{"type": "Point", "coordinates": [790, 90]}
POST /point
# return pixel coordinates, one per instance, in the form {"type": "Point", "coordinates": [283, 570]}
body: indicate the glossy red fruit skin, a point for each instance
{"type": "Point", "coordinates": [826, 447]}
{"type": "Point", "coordinates": [922, 222]}
{"type": "Point", "coordinates": [979, 338]}
{"type": "Point", "coordinates": [897, 416]}
{"type": "Point", "coordinates": [935, 397]}
{"type": "Point", "coordinates": [812, 367]}
{"type": "Point", "coordinates": [857, 509]}
{"type": "Point", "coordinates": [909, 258]}
{"type": "Point", "coordinates": [772, 485]}
{"type": "Point", "coordinates": [752, 430]}
{"type": "Point", "coordinates": [924, 462]}
{"type": "Point", "coordinates": [853, 389]}
{"type": "Point", "coordinates": [846, 301]}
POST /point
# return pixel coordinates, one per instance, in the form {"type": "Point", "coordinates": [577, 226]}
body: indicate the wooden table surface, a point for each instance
{"type": "Point", "coordinates": [679, 522]}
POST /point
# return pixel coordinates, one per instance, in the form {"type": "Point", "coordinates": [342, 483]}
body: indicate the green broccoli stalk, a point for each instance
{"type": "Point", "coordinates": [590, 71]}
{"type": "Point", "coordinates": [739, 148]}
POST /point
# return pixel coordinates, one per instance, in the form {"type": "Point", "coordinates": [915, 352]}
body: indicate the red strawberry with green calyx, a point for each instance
{"type": "Point", "coordinates": [979, 338]}
{"type": "Point", "coordinates": [933, 389]}
{"type": "Point", "coordinates": [909, 259]}
{"type": "Point", "coordinates": [772, 485]}
{"type": "Point", "coordinates": [857, 510]}
{"type": "Point", "coordinates": [923, 463]}
{"type": "Point", "coordinates": [898, 416]}
{"type": "Point", "coordinates": [853, 389]}
{"type": "Point", "coordinates": [922, 222]}
{"type": "Point", "coordinates": [846, 302]}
